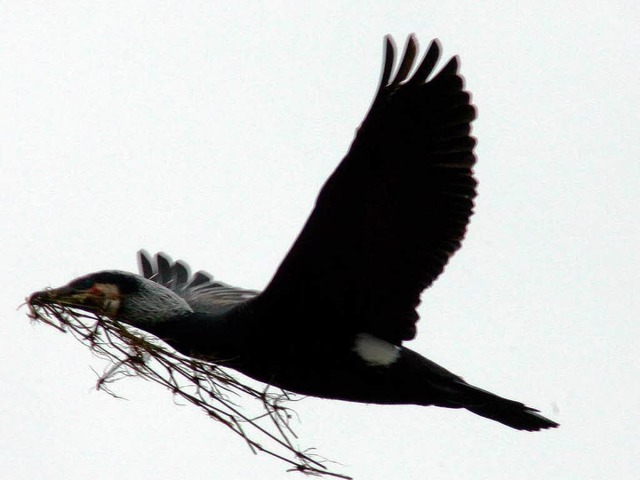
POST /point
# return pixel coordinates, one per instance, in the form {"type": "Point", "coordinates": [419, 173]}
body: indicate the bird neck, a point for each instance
{"type": "Point", "coordinates": [215, 337]}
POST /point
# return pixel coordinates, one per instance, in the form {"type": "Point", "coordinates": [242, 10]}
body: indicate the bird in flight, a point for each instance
{"type": "Point", "coordinates": [333, 319]}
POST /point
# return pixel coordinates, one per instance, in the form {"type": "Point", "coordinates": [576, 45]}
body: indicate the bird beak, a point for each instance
{"type": "Point", "coordinates": [65, 296]}
{"type": "Point", "coordinates": [94, 299]}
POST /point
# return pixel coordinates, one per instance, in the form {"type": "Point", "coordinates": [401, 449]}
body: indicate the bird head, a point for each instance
{"type": "Point", "coordinates": [121, 296]}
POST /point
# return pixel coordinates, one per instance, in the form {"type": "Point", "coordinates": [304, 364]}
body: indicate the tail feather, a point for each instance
{"type": "Point", "coordinates": [508, 412]}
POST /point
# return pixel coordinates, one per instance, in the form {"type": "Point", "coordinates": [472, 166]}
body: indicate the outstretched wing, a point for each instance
{"type": "Point", "coordinates": [394, 211]}
{"type": "Point", "coordinates": [200, 290]}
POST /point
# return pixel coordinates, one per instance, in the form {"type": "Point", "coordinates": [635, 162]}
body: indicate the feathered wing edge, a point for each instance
{"type": "Point", "coordinates": [201, 291]}
{"type": "Point", "coordinates": [396, 208]}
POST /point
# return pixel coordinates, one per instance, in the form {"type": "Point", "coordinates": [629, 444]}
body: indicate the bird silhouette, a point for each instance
{"type": "Point", "coordinates": [333, 319]}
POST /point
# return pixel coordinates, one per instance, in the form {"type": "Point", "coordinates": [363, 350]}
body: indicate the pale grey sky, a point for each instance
{"type": "Point", "coordinates": [205, 129]}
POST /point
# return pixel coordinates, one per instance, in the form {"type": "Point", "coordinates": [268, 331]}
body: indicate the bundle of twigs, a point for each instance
{"type": "Point", "coordinates": [131, 352]}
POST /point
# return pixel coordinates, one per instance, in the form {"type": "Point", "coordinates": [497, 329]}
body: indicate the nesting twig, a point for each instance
{"type": "Point", "coordinates": [131, 352]}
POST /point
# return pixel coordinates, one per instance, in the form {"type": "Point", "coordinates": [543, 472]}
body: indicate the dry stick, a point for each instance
{"type": "Point", "coordinates": [131, 353]}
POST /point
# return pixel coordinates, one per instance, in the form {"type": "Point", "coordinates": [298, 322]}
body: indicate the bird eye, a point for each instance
{"type": "Point", "coordinates": [82, 284]}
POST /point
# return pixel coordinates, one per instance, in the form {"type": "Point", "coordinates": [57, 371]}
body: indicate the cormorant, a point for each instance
{"type": "Point", "coordinates": [332, 321]}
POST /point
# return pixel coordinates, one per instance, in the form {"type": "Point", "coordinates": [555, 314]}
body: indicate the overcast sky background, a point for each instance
{"type": "Point", "coordinates": [205, 129]}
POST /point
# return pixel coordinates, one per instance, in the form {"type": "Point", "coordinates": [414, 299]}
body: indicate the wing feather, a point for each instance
{"type": "Point", "coordinates": [394, 211]}
{"type": "Point", "coordinates": [200, 291]}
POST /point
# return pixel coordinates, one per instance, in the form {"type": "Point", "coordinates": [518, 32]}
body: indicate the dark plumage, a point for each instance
{"type": "Point", "coordinates": [332, 320]}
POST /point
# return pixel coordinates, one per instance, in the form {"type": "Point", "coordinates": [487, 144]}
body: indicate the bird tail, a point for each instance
{"type": "Point", "coordinates": [508, 412]}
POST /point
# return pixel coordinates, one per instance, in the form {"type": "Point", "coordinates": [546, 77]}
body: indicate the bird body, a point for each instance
{"type": "Point", "coordinates": [358, 368]}
{"type": "Point", "coordinates": [333, 319]}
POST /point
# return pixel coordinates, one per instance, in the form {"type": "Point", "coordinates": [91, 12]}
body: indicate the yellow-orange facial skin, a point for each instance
{"type": "Point", "coordinates": [101, 298]}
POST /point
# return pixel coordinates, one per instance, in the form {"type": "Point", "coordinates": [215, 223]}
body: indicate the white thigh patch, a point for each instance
{"type": "Point", "coordinates": [374, 350]}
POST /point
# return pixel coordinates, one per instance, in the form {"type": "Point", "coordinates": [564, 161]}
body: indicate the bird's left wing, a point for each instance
{"type": "Point", "coordinates": [391, 215]}
{"type": "Point", "coordinates": [200, 290]}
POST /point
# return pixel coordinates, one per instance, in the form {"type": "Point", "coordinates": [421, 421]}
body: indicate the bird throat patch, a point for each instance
{"type": "Point", "coordinates": [109, 295]}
